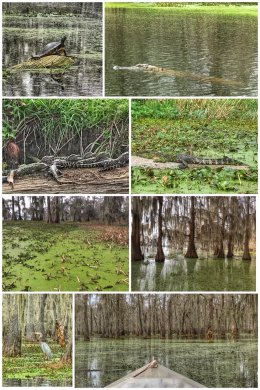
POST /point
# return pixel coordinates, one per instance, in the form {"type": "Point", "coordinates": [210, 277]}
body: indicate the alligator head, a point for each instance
{"type": "Point", "coordinates": [139, 67]}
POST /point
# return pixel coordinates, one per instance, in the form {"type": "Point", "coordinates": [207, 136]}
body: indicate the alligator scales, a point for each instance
{"type": "Point", "coordinates": [101, 161]}
{"type": "Point", "coordinates": [185, 159]}
{"type": "Point", "coordinates": [52, 164]}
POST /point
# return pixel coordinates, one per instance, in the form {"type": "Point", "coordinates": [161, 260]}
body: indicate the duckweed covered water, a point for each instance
{"type": "Point", "coordinates": [33, 370]}
{"type": "Point", "coordinates": [217, 364]}
{"type": "Point", "coordinates": [66, 257]}
{"type": "Point", "coordinates": [153, 138]}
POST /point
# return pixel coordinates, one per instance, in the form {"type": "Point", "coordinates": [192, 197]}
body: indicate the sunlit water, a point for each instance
{"type": "Point", "coordinates": [215, 45]}
{"type": "Point", "coordinates": [217, 364]}
{"type": "Point", "coordinates": [24, 37]}
{"type": "Point", "coordinates": [204, 274]}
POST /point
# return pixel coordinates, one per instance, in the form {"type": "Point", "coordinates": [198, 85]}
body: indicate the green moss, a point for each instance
{"type": "Point", "coordinates": [67, 257]}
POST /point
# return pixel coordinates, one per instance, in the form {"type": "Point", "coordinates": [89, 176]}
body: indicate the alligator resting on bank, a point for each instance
{"type": "Point", "coordinates": [53, 165]}
{"type": "Point", "coordinates": [177, 73]}
{"type": "Point", "coordinates": [185, 159]}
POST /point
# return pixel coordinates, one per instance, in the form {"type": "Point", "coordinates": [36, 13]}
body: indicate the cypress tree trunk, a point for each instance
{"type": "Point", "coordinates": [191, 251]}
{"type": "Point", "coordinates": [67, 357]}
{"type": "Point", "coordinates": [230, 253]}
{"type": "Point", "coordinates": [136, 253]}
{"type": "Point", "coordinates": [246, 254]}
{"type": "Point", "coordinates": [221, 252]}
{"type": "Point", "coordinates": [49, 220]}
{"type": "Point", "coordinates": [160, 255]}
{"type": "Point", "coordinates": [13, 212]}
{"type": "Point", "coordinates": [13, 341]}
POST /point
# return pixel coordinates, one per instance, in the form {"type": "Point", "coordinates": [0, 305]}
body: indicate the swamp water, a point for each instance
{"type": "Point", "coordinates": [203, 274]}
{"type": "Point", "coordinates": [62, 257]}
{"type": "Point", "coordinates": [193, 42]}
{"type": "Point", "coordinates": [32, 370]}
{"type": "Point", "coordinates": [38, 382]}
{"type": "Point", "coordinates": [24, 37]}
{"type": "Point", "coordinates": [217, 364]}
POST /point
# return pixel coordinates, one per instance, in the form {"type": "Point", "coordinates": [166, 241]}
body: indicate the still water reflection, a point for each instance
{"type": "Point", "coordinates": [24, 37]}
{"type": "Point", "coordinates": [204, 274]}
{"type": "Point", "coordinates": [214, 45]}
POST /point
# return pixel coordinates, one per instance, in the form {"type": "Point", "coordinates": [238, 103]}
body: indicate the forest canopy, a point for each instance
{"type": "Point", "coordinates": [58, 209]}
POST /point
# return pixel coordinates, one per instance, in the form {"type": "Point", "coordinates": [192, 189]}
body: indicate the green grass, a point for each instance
{"type": "Point", "coordinates": [66, 257]}
{"type": "Point", "coordinates": [62, 118]}
{"type": "Point", "coordinates": [230, 9]}
{"type": "Point", "coordinates": [203, 109]}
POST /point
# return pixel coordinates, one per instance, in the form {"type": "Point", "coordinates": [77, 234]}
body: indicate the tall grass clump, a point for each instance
{"type": "Point", "coordinates": [208, 109]}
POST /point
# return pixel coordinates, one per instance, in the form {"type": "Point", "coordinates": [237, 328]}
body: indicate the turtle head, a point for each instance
{"type": "Point", "coordinates": [63, 39]}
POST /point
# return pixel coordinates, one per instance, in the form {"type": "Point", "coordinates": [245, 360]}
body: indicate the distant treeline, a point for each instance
{"type": "Point", "coordinates": [171, 4]}
{"type": "Point", "coordinates": [89, 9]}
{"type": "Point", "coordinates": [215, 316]}
{"type": "Point", "coordinates": [56, 209]}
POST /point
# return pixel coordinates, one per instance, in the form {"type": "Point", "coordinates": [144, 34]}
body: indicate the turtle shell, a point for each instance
{"type": "Point", "coordinates": [51, 46]}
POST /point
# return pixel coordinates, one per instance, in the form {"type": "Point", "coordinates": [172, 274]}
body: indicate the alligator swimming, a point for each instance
{"type": "Point", "coordinates": [148, 67]}
{"type": "Point", "coordinates": [185, 159]}
{"type": "Point", "coordinates": [177, 73]}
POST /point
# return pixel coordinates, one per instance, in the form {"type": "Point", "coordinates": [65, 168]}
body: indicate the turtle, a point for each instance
{"type": "Point", "coordinates": [57, 48]}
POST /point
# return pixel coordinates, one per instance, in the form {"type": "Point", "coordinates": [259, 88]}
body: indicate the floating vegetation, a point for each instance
{"type": "Point", "coordinates": [48, 62]}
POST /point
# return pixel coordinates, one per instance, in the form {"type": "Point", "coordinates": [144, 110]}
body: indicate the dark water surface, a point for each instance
{"type": "Point", "coordinates": [180, 274]}
{"type": "Point", "coordinates": [39, 382]}
{"type": "Point", "coordinates": [217, 364]}
{"type": "Point", "coordinates": [214, 45]}
{"type": "Point", "coordinates": [24, 37]}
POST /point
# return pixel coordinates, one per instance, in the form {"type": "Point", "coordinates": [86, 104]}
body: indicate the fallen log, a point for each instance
{"type": "Point", "coordinates": [73, 181]}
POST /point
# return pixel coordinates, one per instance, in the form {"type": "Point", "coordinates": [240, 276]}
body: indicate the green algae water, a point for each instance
{"type": "Point", "coordinates": [31, 370]}
{"type": "Point", "coordinates": [217, 364]}
{"type": "Point", "coordinates": [61, 257]}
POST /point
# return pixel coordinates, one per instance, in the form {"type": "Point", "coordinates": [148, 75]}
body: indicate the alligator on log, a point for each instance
{"type": "Point", "coordinates": [183, 161]}
{"type": "Point", "coordinates": [50, 165]}
{"type": "Point", "coordinates": [177, 73]}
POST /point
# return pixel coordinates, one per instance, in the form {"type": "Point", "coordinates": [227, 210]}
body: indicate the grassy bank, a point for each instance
{"type": "Point", "coordinates": [161, 130]}
{"type": "Point", "coordinates": [236, 9]}
{"type": "Point", "coordinates": [63, 117]}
